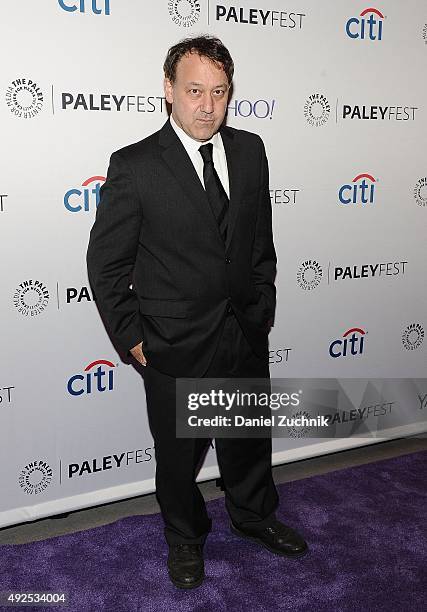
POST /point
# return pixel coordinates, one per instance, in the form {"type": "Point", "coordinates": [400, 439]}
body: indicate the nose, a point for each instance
{"type": "Point", "coordinates": [207, 105]}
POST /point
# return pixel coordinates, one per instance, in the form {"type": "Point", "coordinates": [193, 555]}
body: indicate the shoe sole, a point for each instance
{"type": "Point", "coordinates": [184, 585]}
{"type": "Point", "coordinates": [240, 534]}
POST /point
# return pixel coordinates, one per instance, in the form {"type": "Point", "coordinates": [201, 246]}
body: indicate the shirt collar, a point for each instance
{"type": "Point", "coordinates": [192, 146]}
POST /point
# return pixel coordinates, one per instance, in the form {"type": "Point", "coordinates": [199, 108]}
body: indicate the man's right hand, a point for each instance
{"type": "Point", "coordinates": [136, 352]}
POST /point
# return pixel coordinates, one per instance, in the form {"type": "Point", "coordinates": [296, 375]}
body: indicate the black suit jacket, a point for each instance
{"type": "Point", "coordinates": [156, 261]}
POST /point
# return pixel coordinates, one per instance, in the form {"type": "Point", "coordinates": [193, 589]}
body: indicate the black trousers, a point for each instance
{"type": "Point", "coordinates": [245, 464]}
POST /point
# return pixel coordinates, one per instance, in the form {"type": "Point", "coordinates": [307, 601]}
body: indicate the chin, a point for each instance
{"type": "Point", "coordinates": [207, 131]}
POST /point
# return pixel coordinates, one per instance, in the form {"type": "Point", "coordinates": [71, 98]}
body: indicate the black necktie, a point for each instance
{"type": "Point", "coordinates": [217, 196]}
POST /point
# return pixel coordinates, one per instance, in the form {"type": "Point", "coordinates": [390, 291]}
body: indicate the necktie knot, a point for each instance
{"type": "Point", "coordinates": [206, 152]}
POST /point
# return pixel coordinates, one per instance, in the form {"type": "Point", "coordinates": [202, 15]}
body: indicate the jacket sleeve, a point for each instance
{"type": "Point", "coordinates": [112, 252]}
{"type": "Point", "coordinates": [263, 253]}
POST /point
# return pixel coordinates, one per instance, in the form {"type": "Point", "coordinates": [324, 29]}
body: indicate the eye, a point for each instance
{"type": "Point", "coordinates": [219, 92]}
{"type": "Point", "coordinates": [194, 91]}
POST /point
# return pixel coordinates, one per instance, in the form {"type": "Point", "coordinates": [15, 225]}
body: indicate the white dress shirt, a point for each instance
{"type": "Point", "coordinates": [218, 154]}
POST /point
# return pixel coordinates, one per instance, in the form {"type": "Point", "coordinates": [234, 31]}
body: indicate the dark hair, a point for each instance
{"type": "Point", "coordinates": [206, 46]}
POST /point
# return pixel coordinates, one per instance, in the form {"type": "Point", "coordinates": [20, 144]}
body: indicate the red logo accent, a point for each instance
{"type": "Point", "coordinates": [93, 179]}
{"type": "Point", "coordinates": [99, 362]}
{"type": "Point", "coordinates": [360, 176]}
{"type": "Point", "coordinates": [372, 10]}
{"type": "Point", "coordinates": [354, 329]}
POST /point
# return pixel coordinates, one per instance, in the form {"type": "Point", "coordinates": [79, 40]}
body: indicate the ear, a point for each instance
{"type": "Point", "coordinates": [168, 88]}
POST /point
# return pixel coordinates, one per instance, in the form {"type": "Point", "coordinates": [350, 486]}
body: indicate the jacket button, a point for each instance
{"type": "Point", "coordinates": [228, 260]}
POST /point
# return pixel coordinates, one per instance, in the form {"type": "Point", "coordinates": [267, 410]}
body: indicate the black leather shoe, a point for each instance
{"type": "Point", "coordinates": [185, 565]}
{"type": "Point", "coordinates": [277, 538]}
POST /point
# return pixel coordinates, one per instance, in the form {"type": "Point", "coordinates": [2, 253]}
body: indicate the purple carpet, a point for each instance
{"type": "Point", "coordinates": [366, 528]}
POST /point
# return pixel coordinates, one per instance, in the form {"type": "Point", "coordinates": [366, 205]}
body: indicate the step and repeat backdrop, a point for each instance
{"type": "Point", "coordinates": [337, 90]}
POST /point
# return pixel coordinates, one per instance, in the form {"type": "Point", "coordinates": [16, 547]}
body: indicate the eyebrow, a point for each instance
{"type": "Point", "coordinates": [201, 84]}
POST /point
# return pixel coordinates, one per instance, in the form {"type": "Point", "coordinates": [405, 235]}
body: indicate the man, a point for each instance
{"type": "Point", "coordinates": [182, 262]}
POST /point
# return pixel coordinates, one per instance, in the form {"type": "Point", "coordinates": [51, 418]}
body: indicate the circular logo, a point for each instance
{"type": "Point", "coordinates": [420, 192]}
{"type": "Point", "coordinates": [24, 98]}
{"type": "Point", "coordinates": [184, 13]}
{"type": "Point", "coordinates": [413, 336]}
{"type": "Point", "coordinates": [317, 110]}
{"type": "Point", "coordinates": [309, 275]}
{"type": "Point", "coordinates": [35, 477]}
{"type": "Point", "coordinates": [31, 298]}
{"type": "Point", "coordinates": [303, 430]}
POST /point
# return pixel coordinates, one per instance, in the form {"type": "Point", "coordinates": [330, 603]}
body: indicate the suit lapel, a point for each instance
{"type": "Point", "coordinates": [235, 178]}
{"type": "Point", "coordinates": [178, 161]}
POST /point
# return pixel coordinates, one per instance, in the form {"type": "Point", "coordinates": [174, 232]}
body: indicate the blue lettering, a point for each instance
{"type": "Point", "coordinates": [70, 388]}
{"type": "Point", "coordinates": [67, 204]}
{"type": "Point", "coordinates": [341, 194]}
{"type": "Point", "coordinates": [331, 351]}
{"type": "Point", "coordinates": [81, 8]}
{"type": "Point", "coordinates": [347, 27]}
{"type": "Point", "coordinates": [64, 6]}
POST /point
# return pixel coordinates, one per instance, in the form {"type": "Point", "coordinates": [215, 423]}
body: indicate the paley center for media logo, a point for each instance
{"type": "Point", "coordinates": [375, 112]}
{"type": "Point", "coordinates": [31, 297]}
{"type": "Point", "coordinates": [360, 191]}
{"type": "Point", "coordinates": [94, 102]}
{"type": "Point", "coordinates": [309, 275]}
{"type": "Point", "coordinates": [279, 355]}
{"type": "Point", "coordinates": [350, 345]}
{"type": "Point", "coordinates": [79, 295]}
{"type": "Point", "coordinates": [24, 98]}
{"type": "Point", "coordinates": [184, 13]}
{"type": "Point", "coordinates": [361, 414]}
{"type": "Point", "coordinates": [97, 377]}
{"type": "Point", "coordinates": [283, 195]}
{"type": "Point", "coordinates": [377, 270]}
{"type": "Point", "coordinates": [413, 336]}
{"type": "Point", "coordinates": [75, 294]}
{"type": "Point", "coordinates": [35, 477]}
{"type": "Point", "coordinates": [109, 462]}
{"type": "Point", "coordinates": [303, 430]}
{"type": "Point", "coordinates": [366, 26]}
{"type": "Point", "coordinates": [317, 109]}
{"type": "Point", "coordinates": [258, 16]}
{"type": "Point", "coordinates": [420, 192]}
{"type": "Point", "coordinates": [97, 7]}
{"type": "Point", "coordinates": [86, 199]}
{"type": "Point", "coordinates": [310, 272]}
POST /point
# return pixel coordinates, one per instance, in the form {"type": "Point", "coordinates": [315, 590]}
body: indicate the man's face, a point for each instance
{"type": "Point", "coordinates": [198, 96]}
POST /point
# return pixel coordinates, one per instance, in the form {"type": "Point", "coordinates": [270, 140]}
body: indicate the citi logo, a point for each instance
{"type": "Point", "coordinates": [361, 191]}
{"type": "Point", "coordinates": [76, 200]}
{"type": "Point", "coordinates": [98, 376]}
{"type": "Point", "coordinates": [364, 27]}
{"type": "Point", "coordinates": [98, 7]}
{"type": "Point", "coordinates": [350, 344]}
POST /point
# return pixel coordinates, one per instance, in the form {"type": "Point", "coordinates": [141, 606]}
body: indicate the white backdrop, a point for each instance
{"type": "Point", "coordinates": [338, 95]}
